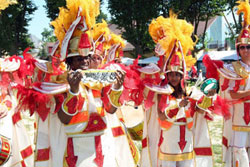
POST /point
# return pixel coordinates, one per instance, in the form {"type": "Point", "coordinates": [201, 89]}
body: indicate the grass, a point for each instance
{"type": "Point", "coordinates": [215, 128]}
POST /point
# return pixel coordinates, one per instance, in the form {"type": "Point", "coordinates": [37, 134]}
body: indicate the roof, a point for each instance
{"type": "Point", "coordinates": [220, 55]}
{"type": "Point", "coordinates": [115, 29]}
{"type": "Point", "coordinates": [153, 59]}
{"type": "Point", "coordinates": [202, 24]}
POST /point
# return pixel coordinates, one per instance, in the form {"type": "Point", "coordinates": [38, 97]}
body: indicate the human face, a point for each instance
{"type": "Point", "coordinates": [244, 51]}
{"type": "Point", "coordinates": [174, 78]}
{"type": "Point", "coordinates": [80, 62]}
{"type": "Point", "coordinates": [95, 61]}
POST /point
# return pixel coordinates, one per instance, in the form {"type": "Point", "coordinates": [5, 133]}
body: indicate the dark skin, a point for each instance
{"type": "Point", "coordinates": [74, 79]}
{"type": "Point", "coordinates": [174, 79]}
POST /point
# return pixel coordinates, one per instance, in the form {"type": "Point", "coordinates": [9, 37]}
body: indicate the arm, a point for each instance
{"type": "Point", "coordinates": [68, 108]}
{"type": "Point", "coordinates": [116, 92]}
{"type": "Point", "coordinates": [239, 94]}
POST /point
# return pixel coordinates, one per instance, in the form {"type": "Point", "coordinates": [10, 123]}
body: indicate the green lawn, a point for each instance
{"type": "Point", "coordinates": [215, 128]}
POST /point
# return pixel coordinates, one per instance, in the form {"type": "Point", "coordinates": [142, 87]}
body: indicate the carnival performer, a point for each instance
{"type": "Point", "coordinates": [174, 134]}
{"type": "Point", "coordinates": [235, 86]}
{"type": "Point", "coordinates": [78, 100]}
{"type": "Point", "coordinates": [16, 145]}
{"type": "Point", "coordinates": [104, 52]}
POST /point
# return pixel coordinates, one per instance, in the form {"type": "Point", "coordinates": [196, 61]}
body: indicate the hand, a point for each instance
{"type": "Point", "coordinates": [184, 102]}
{"type": "Point", "coordinates": [3, 111]}
{"type": "Point", "coordinates": [199, 110]}
{"type": "Point", "coordinates": [120, 75]}
{"type": "Point", "coordinates": [211, 92]}
{"type": "Point", "coordinates": [74, 78]}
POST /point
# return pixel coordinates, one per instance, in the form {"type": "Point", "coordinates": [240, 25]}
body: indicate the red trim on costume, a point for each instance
{"type": "Point", "coordinates": [246, 116]}
{"type": "Point", "coordinates": [71, 159]}
{"type": "Point", "coordinates": [23, 163]}
{"type": "Point", "coordinates": [149, 101]}
{"type": "Point", "coordinates": [35, 125]}
{"type": "Point", "coordinates": [225, 84]}
{"type": "Point", "coordinates": [79, 117]}
{"type": "Point", "coordinates": [163, 103]}
{"type": "Point", "coordinates": [72, 105]}
{"type": "Point", "coordinates": [237, 85]}
{"type": "Point", "coordinates": [122, 120]}
{"type": "Point", "coordinates": [205, 151]}
{"type": "Point", "coordinates": [43, 154]}
{"type": "Point", "coordinates": [59, 101]}
{"type": "Point", "coordinates": [182, 142]}
{"type": "Point", "coordinates": [95, 123]}
{"type": "Point", "coordinates": [117, 131]}
{"type": "Point", "coordinates": [173, 112]}
{"type": "Point", "coordinates": [160, 140]}
{"type": "Point", "coordinates": [144, 142]}
{"type": "Point", "coordinates": [225, 141]}
{"type": "Point", "coordinates": [80, 103]}
{"type": "Point", "coordinates": [16, 117]}
{"type": "Point", "coordinates": [96, 93]}
{"type": "Point", "coordinates": [98, 147]}
{"type": "Point", "coordinates": [27, 152]}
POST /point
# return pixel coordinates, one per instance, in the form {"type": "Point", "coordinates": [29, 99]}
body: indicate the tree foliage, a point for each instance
{"type": "Point", "coordinates": [52, 8]}
{"type": "Point", "coordinates": [235, 26]}
{"type": "Point", "coordinates": [13, 26]}
{"type": "Point", "coordinates": [48, 36]}
{"type": "Point", "coordinates": [134, 16]}
{"type": "Point", "coordinates": [195, 12]}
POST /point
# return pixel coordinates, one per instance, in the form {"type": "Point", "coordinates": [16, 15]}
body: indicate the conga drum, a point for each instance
{"type": "Point", "coordinates": [5, 149]}
{"type": "Point", "coordinates": [133, 120]}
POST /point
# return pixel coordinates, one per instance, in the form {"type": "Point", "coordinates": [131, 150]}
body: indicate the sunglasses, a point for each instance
{"type": "Point", "coordinates": [244, 47]}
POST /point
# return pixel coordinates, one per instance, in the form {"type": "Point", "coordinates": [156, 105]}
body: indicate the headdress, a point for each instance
{"type": "Point", "coordinates": [173, 39]}
{"type": "Point", "coordinates": [71, 26]}
{"type": "Point", "coordinates": [5, 3]}
{"type": "Point", "coordinates": [244, 37]}
{"type": "Point", "coordinates": [101, 34]}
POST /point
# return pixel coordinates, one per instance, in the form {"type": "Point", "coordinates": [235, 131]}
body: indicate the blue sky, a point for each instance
{"type": "Point", "coordinates": [40, 20]}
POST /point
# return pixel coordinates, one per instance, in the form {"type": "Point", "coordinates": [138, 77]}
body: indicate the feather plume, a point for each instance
{"type": "Point", "coordinates": [244, 8]}
{"type": "Point", "coordinates": [166, 31]}
{"type": "Point", "coordinates": [5, 3]}
{"type": "Point", "coordinates": [90, 10]}
{"type": "Point", "coordinates": [100, 29]}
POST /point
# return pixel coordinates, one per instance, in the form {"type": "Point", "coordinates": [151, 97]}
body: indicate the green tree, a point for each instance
{"type": "Point", "coordinates": [47, 36]}
{"type": "Point", "coordinates": [13, 27]}
{"type": "Point", "coordinates": [235, 26]}
{"type": "Point", "coordinates": [195, 12]}
{"type": "Point", "coordinates": [134, 16]}
{"type": "Point", "coordinates": [52, 8]}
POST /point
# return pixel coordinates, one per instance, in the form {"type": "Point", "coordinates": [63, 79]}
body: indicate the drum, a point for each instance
{"type": "Point", "coordinates": [133, 120]}
{"type": "Point", "coordinates": [5, 149]}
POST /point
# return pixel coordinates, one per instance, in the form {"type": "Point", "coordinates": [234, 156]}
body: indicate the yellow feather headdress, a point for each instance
{"type": "Point", "coordinates": [244, 8]}
{"type": "Point", "coordinates": [5, 3]}
{"type": "Point", "coordinates": [243, 38]}
{"type": "Point", "coordinates": [170, 32]}
{"type": "Point", "coordinates": [100, 29]}
{"type": "Point", "coordinates": [90, 10]}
